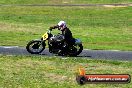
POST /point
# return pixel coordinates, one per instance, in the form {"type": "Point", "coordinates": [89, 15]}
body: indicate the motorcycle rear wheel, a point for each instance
{"type": "Point", "coordinates": [79, 50]}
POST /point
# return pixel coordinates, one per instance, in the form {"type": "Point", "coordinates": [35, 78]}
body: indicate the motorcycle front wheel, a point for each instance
{"type": "Point", "coordinates": [35, 46]}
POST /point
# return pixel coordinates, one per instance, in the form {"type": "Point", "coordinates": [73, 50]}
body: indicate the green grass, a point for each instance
{"type": "Point", "coordinates": [57, 72]}
{"type": "Point", "coordinates": [62, 1]}
{"type": "Point", "coordinates": [97, 27]}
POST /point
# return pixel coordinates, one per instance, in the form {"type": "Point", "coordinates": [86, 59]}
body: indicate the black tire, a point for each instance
{"type": "Point", "coordinates": [78, 52]}
{"type": "Point", "coordinates": [29, 46]}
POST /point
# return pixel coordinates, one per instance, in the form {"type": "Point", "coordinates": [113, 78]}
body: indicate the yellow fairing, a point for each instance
{"type": "Point", "coordinates": [45, 36]}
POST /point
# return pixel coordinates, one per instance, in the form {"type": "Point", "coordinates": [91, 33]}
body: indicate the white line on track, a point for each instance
{"type": "Point", "coordinates": [9, 47]}
{"type": "Point", "coordinates": [101, 49]}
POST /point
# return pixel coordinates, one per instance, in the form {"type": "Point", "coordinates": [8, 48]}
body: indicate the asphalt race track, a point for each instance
{"type": "Point", "coordinates": [93, 54]}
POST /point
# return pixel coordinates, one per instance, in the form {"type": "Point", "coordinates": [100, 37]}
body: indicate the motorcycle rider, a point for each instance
{"type": "Point", "coordinates": [68, 38]}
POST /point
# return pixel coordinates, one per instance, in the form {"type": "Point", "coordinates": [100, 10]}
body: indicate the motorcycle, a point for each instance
{"type": "Point", "coordinates": [55, 44]}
